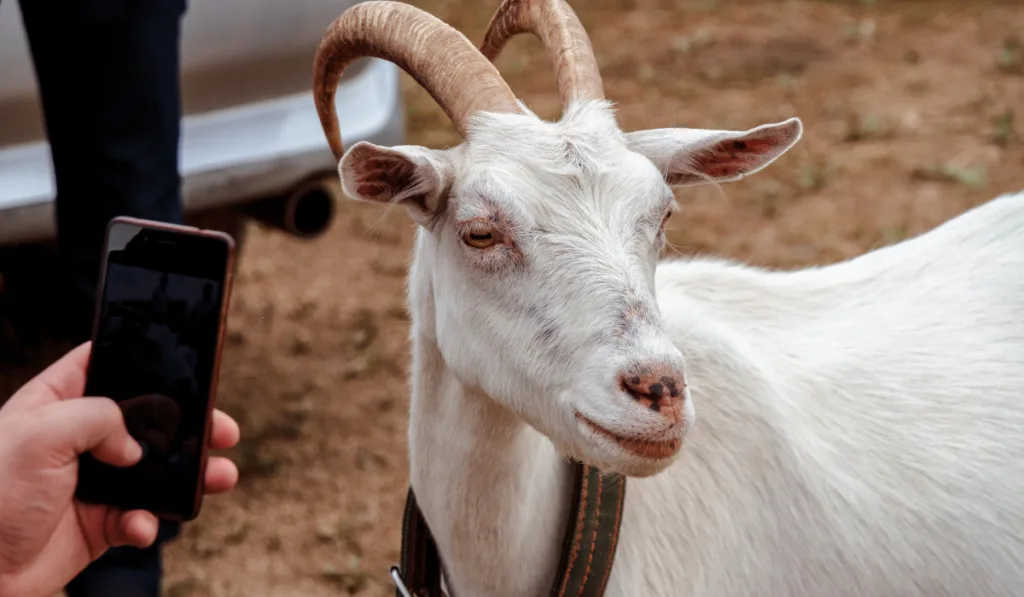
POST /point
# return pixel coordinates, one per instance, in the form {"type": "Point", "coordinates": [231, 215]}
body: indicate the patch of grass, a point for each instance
{"type": "Point", "coordinates": [326, 533]}
{"type": "Point", "coordinates": [813, 176]}
{"type": "Point", "coordinates": [183, 588]}
{"type": "Point", "coordinates": [852, 3]}
{"type": "Point", "coordinates": [343, 533]}
{"type": "Point", "coordinates": [860, 31]}
{"type": "Point", "coordinates": [741, 61]}
{"type": "Point", "coordinates": [302, 311]}
{"type": "Point", "coordinates": [646, 72]}
{"type": "Point", "coordinates": [787, 83]}
{"type": "Point", "coordinates": [350, 579]}
{"type": "Point", "coordinates": [894, 234]}
{"type": "Point", "coordinates": [685, 44]}
{"type": "Point", "coordinates": [865, 127]}
{"type": "Point", "coordinates": [237, 535]}
{"type": "Point", "coordinates": [1011, 56]}
{"type": "Point", "coordinates": [768, 194]}
{"type": "Point", "coordinates": [254, 461]}
{"type": "Point", "coordinates": [207, 548]}
{"type": "Point", "coordinates": [682, 44]}
{"type": "Point", "coordinates": [1004, 132]}
{"type": "Point", "coordinates": [362, 329]}
{"type": "Point", "coordinates": [368, 459]}
{"type": "Point", "coordinates": [362, 365]}
{"type": "Point", "coordinates": [350, 532]}
{"type": "Point", "coordinates": [362, 332]}
{"type": "Point", "coordinates": [254, 455]}
{"type": "Point", "coordinates": [974, 176]}
{"type": "Point", "coordinates": [288, 425]}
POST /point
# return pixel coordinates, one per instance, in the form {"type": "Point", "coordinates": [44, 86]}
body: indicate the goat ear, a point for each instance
{"type": "Point", "coordinates": [415, 177]}
{"type": "Point", "coordinates": [697, 156]}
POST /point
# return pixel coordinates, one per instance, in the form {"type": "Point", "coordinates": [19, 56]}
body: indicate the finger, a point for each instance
{"type": "Point", "coordinates": [137, 528]}
{"type": "Point", "coordinates": [225, 433]}
{"type": "Point", "coordinates": [72, 427]}
{"type": "Point", "coordinates": [104, 527]}
{"type": "Point", "coordinates": [221, 475]}
{"type": "Point", "coordinates": [62, 380]}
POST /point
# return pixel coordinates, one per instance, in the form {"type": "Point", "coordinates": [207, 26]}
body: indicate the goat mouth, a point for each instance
{"type": "Point", "coordinates": [644, 448]}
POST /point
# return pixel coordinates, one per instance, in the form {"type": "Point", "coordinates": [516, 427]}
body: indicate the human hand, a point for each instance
{"type": "Point", "coordinates": [46, 536]}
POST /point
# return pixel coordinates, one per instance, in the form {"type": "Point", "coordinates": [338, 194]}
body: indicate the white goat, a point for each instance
{"type": "Point", "coordinates": [861, 425]}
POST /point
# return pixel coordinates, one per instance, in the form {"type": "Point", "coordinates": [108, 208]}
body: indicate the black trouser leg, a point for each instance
{"type": "Point", "coordinates": [108, 75]}
{"type": "Point", "coordinates": [125, 571]}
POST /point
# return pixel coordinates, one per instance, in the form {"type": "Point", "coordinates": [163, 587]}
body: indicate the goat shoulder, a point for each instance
{"type": "Point", "coordinates": [858, 424]}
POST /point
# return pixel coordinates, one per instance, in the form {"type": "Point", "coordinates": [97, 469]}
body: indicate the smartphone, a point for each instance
{"type": "Point", "coordinates": [157, 336]}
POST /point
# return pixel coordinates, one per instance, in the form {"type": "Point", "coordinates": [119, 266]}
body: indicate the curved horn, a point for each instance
{"type": "Point", "coordinates": [437, 56]}
{"type": "Point", "coordinates": [562, 34]}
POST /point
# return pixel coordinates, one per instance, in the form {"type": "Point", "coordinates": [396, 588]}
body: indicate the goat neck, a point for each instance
{"type": "Point", "coordinates": [494, 490]}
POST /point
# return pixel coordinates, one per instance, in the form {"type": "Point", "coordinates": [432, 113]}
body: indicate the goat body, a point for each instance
{"type": "Point", "coordinates": [858, 426]}
{"type": "Point", "coordinates": [861, 433]}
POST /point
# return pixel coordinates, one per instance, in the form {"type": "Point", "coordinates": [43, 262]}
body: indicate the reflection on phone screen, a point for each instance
{"type": "Point", "coordinates": [154, 353]}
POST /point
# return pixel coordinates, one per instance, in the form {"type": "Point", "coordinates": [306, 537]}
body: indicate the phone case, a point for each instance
{"type": "Point", "coordinates": [229, 276]}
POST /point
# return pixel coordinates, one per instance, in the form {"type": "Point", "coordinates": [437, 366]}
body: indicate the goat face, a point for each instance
{"type": "Point", "coordinates": [541, 244]}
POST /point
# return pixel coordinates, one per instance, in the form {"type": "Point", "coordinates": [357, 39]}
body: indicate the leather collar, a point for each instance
{"type": "Point", "coordinates": [588, 547]}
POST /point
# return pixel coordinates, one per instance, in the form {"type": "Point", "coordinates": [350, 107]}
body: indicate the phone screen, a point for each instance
{"type": "Point", "coordinates": [155, 353]}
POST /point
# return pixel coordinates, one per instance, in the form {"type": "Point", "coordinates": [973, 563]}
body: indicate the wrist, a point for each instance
{"type": "Point", "coordinates": [7, 585]}
{"type": "Point", "coordinates": [13, 584]}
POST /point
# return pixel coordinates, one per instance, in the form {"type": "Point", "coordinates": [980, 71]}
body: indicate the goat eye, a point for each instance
{"type": "Point", "coordinates": [479, 239]}
{"type": "Point", "coordinates": [664, 220]}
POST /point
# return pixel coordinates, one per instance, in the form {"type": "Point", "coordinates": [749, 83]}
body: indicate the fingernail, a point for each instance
{"type": "Point", "coordinates": [135, 451]}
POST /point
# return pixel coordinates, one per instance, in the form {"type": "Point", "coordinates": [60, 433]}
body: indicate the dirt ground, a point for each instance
{"type": "Point", "coordinates": [909, 110]}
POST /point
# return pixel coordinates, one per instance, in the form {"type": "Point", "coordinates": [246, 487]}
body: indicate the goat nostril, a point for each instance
{"type": "Point", "coordinates": [673, 386]}
{"type": "Point", "coordinates": [660, 390]}
{"type": "Point", "coordinates": [639, 395]}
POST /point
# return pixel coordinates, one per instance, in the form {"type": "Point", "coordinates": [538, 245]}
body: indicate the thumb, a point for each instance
{"type": "Point", "coordinates": [79, 425]}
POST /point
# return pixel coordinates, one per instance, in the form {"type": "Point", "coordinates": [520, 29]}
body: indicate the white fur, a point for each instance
{"type": "Point", "coordinates": [860, 427]}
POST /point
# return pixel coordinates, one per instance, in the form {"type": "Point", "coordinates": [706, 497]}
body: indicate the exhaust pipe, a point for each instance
{"type": "Point", "coordinates": [306, 211]}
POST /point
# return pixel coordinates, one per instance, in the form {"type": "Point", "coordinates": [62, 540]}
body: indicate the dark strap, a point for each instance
{"type": "Point", "coordinates": [588, 551]}
{"type": "Point", "coordinates": [588, 548]}
{"type": "Point", "coordinates": [421, 563]}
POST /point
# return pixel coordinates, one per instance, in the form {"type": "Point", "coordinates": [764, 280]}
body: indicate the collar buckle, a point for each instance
{"type": "Point", "coordinates": [396, 576]}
